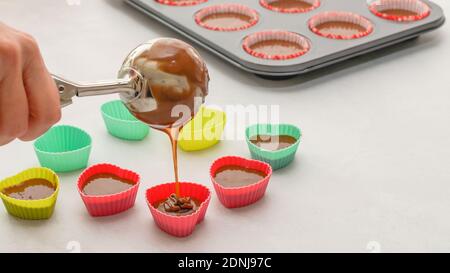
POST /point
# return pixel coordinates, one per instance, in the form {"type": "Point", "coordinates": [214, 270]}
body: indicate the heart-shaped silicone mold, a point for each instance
{"type": "Point", "coordinates": [179, 226]}
{"type": "Point", "coordinates": [121, 123]}
{"type": "Point", "coordinates": [64, 148]}
{"type": "Point", "coordinates": [276, 158]}
{"type": "Point", "coordinates": [240, 196]}
{"type": "Point", "coordinates": [104, 205]}
{"type": "Point", "coordinates": [203, 131]}
{"type": "Point", "coordinates": [30, 209]}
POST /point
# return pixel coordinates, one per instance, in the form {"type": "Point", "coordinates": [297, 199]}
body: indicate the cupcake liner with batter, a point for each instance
{"type": "Point", "coordinates": [419, 8]}
{"type": "Point", "coordinates": [178, 226]}
{"type": "Point", "coordinates": [200, 16]}
{"type": "Point", "coordinates": [280, 158]}
{"type": "Point", "coordinates": [181, 2]}
{"type": "Point", "coordinates": [30, 209]}
{"type": "Point", "coordinates": [268, 4]}
{"type": "Point", "coordinates": [235, 197]}
{"type": "Point", "coordinates": [302, 43]}
{"type": "Point", "coordinates": [340, 17]}
{"type": "Point", "coordinates": [104, 205]}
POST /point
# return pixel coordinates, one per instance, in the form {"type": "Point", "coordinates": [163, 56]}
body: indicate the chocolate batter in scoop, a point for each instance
{"type": "Point", "coordinates": [177, 82]}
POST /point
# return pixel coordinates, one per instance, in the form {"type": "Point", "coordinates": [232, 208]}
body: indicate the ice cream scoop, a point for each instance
{"type": "Point", "coordinates": [162, 82]}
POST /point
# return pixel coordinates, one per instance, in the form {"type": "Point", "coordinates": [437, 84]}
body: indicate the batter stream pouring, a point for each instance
{"type": "Point", "coordinates": [162, 82]}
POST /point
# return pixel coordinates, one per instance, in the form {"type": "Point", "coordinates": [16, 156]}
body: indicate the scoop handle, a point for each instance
{"type": "Point", "coordinates": [105, 88]}
{"type": "Point", "coordinates": [68, 89]}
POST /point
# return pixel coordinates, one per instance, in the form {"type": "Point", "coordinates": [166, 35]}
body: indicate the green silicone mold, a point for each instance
{"type": "Point", "coordinates": [277, 159]}
{"type": "Point", "coordinates": [63, 148]}
{"type": "Point", "coordinates": [121, 123]}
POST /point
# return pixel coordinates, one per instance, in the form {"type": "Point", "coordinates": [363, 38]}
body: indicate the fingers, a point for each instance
{"type": "Point", "coordinates": [29, 100]}
{"type": "Point", "coordinates": [13, 100]}
{"type": "Point", "coordinates": [42, 94]}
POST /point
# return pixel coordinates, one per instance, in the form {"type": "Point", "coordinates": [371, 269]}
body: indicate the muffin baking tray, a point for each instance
{"type": "Point", "coordinates": [316, 49]}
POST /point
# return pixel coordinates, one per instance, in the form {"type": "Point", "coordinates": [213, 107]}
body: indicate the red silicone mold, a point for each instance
{"type": "Point", "coordinates": [240, 196]}
{"type": "Point", "coordinates": [179, 226]}
{"type": "Point", "coordinates": [280, 35]}
{"type": "Point", "coordinates": [181, 2]}
{"type": "Point", "coordinates": [226, 8]}
{"type": "Point", "coordinates": [418, 7]}
{"type": "Point", "coordinates": [268, 4]}
{"type": "Point", "coordinates": [105, 205]}
{"type": "Point", "coordinates": [340, 16]}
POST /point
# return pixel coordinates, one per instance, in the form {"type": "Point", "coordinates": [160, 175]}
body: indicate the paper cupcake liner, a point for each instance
{"type": "Point", "coordinates": [104, 205]}
{"type": "Point", "coordinates": [268, 5]}
{"type": "Point", "coordinates": [203, 131]}
{"type": "Point", "coordinates": [226, 8]}
{"type": "Point", "coordinates": [181, 2]}
{"type": "Point", "coordinates": [179, 226]}
{"type": "Point", "coordinates": [282, 35]}
{"type": "Point", "coordinates": [276, 159]}
{"type": "Point", "coordinates": [121, 123]}
{"type": "Point", "coordinates": [30, 209]}
{"type": "Point", "coordinates": [420, 8]}
{"type": "Point", "coordinates": [240, 196]}
{"type": "Point", "coordinates": [339, 16]}
{"type": "Point", "coordinates": [63, 148]}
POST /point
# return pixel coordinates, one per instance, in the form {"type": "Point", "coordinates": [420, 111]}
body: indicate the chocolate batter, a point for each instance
{"type": "Point", "coordinates": [176, 76]}
{"type": "Point", "coordinates": [273, 143]}
{"type": "Point", "coordinates": [237, 176]}
{"type": "Point", "coordinates": [290, 4]}
{"type": "Point", "coordinates": [106, 184]}
{"type": "Point", "coordinates": [346, 29]}
{"type": "Point", "coordinates": [33, 189]}
{"type": "Point", "coordinates": [173, 134]}
{"type": "Point", "coordinates": [178, 206]}
{"type": "Point", "coordinates": [399, 12]}
{"type": "Point", "coordinates": [177, 80]}
{"type": "Point", "coordinates": [227, 20]}
{"type": "Point", "coordinates": [276, 47]}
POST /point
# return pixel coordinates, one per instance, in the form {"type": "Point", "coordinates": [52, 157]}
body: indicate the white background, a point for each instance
{"type": "Point", "coordinates": [372, 170]}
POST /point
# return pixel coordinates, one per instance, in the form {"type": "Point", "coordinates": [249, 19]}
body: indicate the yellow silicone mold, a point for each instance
{"type": "Point", "coordinates": [30, 209]}
{"type": "Point", "coordinates": [203, 131]}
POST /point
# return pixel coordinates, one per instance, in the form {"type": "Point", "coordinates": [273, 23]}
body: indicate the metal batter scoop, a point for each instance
{"type": "Point", "coordinates": [151, 93]}
{"type": "Point", "coordinates": [68, 89]}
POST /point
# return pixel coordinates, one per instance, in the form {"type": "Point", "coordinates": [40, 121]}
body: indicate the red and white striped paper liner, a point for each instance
{"type": "Point", "coordinates": [226, 8]}
{"type": "Point", "coordinates": [268, 5]}
{"type": "Point", "coordinates": [104, 205]}
{"type": "Point", "coordinates": [280, 35]}
{"type": "Point", "coordinates": [179, 226]}
{"type": "Point", "coordinates": [181, 2]}
{"type": "Point", "coordinates": [240, 196]}
{"type": "Point", "coordinates": [340, 16]}
{"type": "Point", "coordinates": [421, 9]}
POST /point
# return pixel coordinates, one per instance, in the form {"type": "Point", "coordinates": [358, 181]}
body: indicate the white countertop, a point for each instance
{"type": "Point", "coordinates": [372, 170]}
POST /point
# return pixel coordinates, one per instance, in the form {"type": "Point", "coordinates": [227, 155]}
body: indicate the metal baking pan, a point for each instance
{"type": "Point", "coordinates": [323, 52]}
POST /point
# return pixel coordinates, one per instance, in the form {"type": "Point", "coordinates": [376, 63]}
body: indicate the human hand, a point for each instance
{"type": "Point", "coordinates": [29, 99]}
